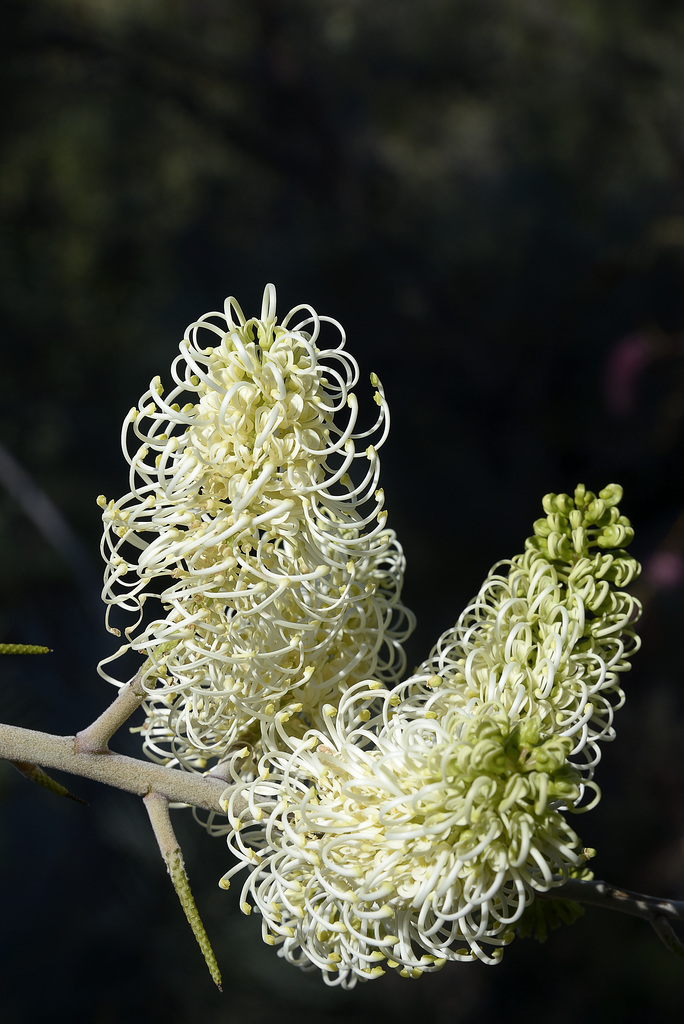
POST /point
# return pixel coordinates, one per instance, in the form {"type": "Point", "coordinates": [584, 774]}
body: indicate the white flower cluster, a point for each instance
{"type": "Point", "coordinates": [276, 578]}
{"type": "Point", "coordinates": [378, 827]}
{"type": "Point", "coordinates": [417, 826]}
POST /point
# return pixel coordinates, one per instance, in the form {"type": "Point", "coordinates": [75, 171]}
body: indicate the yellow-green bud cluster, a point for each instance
{"type": "Point", "coordinates": [551, 630]}
{"type": "Point", "coordinates": [576, 525]}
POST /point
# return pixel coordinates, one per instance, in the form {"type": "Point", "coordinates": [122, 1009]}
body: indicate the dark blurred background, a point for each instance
{"type": "Point", "coordinates": [489, 194]}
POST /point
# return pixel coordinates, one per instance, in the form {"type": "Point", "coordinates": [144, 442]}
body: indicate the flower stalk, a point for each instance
{"type": "Point", "coordinates": [595, 893]}
{"type": "Point", "coordinates": [658, 912]}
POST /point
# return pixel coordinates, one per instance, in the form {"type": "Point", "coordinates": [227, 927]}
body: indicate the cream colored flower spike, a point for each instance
{"type": "Point", "coordinates": [416, 827]}
{"type": "Point", "coordinates": [253, 561]}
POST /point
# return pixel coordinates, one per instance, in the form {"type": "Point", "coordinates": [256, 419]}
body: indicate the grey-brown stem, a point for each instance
{"type": "Point", "coordinates": [118, 770]}
{"type": "Point", "coordinates": [157, 808]}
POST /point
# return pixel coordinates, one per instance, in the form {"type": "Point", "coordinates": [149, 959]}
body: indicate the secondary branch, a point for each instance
{"type": "Point", "coordinates": [600, 894]}
{"type": "Point", "coordinates": [118, 770]}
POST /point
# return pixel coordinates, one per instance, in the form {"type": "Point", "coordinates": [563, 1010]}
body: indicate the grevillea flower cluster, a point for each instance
{"type": "Point", "coordinates": [549, 633]}
{"type": "Point", "coordinates": [273, 580]}
{"type": "Point", "coordinates": [381, 824]}
{"type": "Point", "coordinates": [419, 824]}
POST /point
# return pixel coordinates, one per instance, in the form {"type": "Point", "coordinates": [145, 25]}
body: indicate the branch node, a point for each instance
{"type": "Point", "coordinates": [94, 739]}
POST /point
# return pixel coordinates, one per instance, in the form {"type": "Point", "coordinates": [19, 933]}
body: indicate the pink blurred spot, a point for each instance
{"type": "Point", "coordinates": [626, 362]}
{"type": "Point", "coordinates": [664, 569]}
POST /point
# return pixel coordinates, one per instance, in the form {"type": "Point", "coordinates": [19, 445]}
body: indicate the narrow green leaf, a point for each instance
{"type": "Point", "coordinates": [181, 884]}
{"type": "Point", "coordinates": [23, 649]}
{"type": "Point", "coordinates": [36, 774]}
